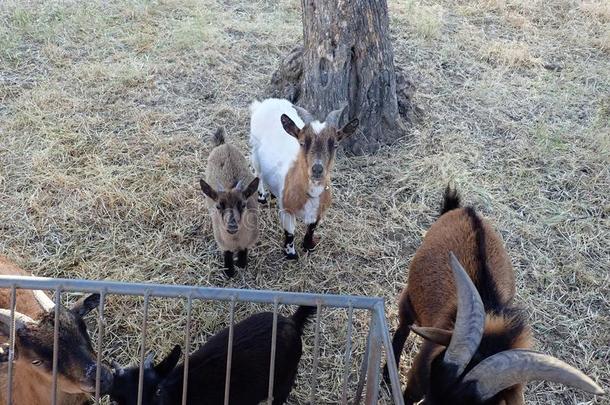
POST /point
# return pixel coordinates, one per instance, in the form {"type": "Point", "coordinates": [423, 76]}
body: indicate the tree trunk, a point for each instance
{"type": "Point", "coordinates": [347, 57]}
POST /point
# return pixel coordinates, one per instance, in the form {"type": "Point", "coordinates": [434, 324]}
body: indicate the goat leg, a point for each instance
{"type": "Point", "coordinates": [309, 242]}
{"type": "Point", "coordinates": [289, 249]}
{"type": "Point", "coordinates": [229, 267]}
{"type": "Point", "coordinates": [242, 259]}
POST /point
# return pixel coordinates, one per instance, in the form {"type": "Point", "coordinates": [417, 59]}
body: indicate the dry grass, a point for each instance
{"type": "Point", "coordinates": [105, 111]}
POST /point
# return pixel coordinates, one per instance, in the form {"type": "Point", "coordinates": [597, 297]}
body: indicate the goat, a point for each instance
{"type": "Point", "coordinates": [234, 213]}
{"type": "Point", "coordinates": [486, 358]}
{"type": "Point", "coordinates": [34, 331]}
{"type": "Point", "coordinates": [207, 366]}
{"type": "Point", "coordinates": [296, 168]}
{"type": "Point", "coordinates": [124, 390]}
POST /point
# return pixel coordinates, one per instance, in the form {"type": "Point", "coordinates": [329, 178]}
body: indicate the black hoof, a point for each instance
{"type": "Point", "coordinates": [230, 273]}
{"type": "Point", "coordinates": [309, 247]}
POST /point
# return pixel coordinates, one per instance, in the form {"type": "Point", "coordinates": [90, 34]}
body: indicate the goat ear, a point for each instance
{"type": "Point", "coordinates": [208, 190]}
{"type": "Point", "coordinates": [84, 305]}
{"type": "Point", "coordinates": [290, 126]}
{"type": "Point", "coordinates": [348, 129]}
{"type": "Point", "coordinates": [169, 362]}
{"type": "Point", "coordinates": [439, 336]}
{"type": "Point", "coordinates": [252, 187]}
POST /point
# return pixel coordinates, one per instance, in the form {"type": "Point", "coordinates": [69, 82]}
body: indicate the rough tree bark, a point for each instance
{"type": "Point", "coordinates": [347, 57]}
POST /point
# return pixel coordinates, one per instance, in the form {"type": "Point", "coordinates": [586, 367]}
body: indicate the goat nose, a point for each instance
{"type": "Point", "coordinates": [317, 170]}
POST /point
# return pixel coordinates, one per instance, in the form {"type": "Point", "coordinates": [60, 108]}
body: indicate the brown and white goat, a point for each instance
{"type": "Point", "coordinates": [477, 344]}
{"type": "Point", "coordinates": [232, 206]}
{"type": "Point", "coordinates": [33, 356]}
{"type": "Point", "coordinates": [293, 154]}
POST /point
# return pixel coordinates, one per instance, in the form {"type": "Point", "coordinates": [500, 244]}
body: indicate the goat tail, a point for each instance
{"type": "Point", "coordinates": [451, 199]}
{"type": "Point", "coordinates": [302, 315]}
{"type": "Point", "coordinates": [219, 137]}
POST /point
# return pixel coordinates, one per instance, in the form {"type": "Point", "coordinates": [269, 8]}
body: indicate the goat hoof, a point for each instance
{"type": "Point", "coordinates": [310, 245]}
{"type": "Point", "coordinates": [292, 256]}
{"type": "Point", "coordinates": [230, 273]}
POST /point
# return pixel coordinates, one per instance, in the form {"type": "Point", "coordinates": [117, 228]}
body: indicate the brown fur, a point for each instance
{"type": "Point", "coordinates": [429, 299]}
{"type": "Point", "coordinates": [30, 384]}
{"type": "Point", "coordinates": [227, 166]}
{"type": "Point", "coordinates": [296, 187]}
{"type": "Point", "coordinates": [431, 287]}
{"type": "Point", "coordinates": [315, 148]}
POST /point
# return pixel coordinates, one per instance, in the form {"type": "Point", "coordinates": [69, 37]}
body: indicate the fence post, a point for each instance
{"type": "Point", "coordinates": [374, 358]}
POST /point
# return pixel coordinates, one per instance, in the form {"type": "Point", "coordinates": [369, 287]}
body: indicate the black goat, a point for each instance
{"type": "Point", "coordinates": [207, 366]}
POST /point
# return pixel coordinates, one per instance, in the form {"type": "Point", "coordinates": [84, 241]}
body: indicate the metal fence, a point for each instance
{"type": "Point", "coordinates": [378, 339]}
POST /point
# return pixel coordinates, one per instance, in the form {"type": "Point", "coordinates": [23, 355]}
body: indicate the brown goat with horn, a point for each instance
{"type": "Point", "coordinates": [477, 344]}
{"type": "Point", "coordinates": [33, 356]}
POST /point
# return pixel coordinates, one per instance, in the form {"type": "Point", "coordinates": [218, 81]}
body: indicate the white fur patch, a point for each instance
{"type": "Point", "coordinates": [317, 126]}
{"type": "Point", "coordinates": [273, 150]}
{"type": "Point", "coordinates": [309, 213]}
{"type": "Point", "coordinates": [290, 250]}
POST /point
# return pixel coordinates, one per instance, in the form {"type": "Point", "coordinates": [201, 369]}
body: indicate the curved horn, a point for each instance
{"type": "Point", "coordinates": [439, 336]}
{"type": "Point", "coordinates": [43, 300]}
{"type": "Point", "coordinates": [469, 320]}
{"type": "Point", "coordinates": [21, 320]}
{"type": "Point", "coordinates": [219, 187]}
{"type": "Point", "coordinates": [334, 116]}
{"type": "Point", "coordinates": [238, 186]}
{"type": "Point", "coordinates": [305, 115]}
{"type": "Point", "coordinates": [518, 366]}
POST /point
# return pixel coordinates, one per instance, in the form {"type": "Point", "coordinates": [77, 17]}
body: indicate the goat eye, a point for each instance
{"type": "Point", "coordinates": [37, 362]}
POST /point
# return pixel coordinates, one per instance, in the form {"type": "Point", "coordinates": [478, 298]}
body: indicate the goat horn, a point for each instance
{"type": "Point", "coordinates": [334, 116]}
{"type": "Point", "coordinates": [435, 335]}
{"type": "Point", "coordinates": [305, 115]}
{"type": "Point", "coordinates": [43, 300]}
{"type": "Point", "coordinates": [238, 186]}
{"type": "Point", "coordinates": [519, 366]}
{"type": "Point", "coordinates": [469, 320]}
{"type": "Point", "coordinates": [219, 187]}
{"type": "Point", "coordinates": [21, 320]}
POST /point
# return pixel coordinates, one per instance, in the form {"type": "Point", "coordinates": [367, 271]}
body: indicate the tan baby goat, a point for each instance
{"type": "Point", "coordinates": [232, 206]}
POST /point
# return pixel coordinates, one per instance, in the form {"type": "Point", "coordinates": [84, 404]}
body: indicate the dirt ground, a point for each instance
{"type": "Point", "coordinates": [106, 109]}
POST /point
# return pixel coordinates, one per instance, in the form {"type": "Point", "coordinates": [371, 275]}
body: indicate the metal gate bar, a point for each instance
{"type": "Point", "coordinates": [378, 339]}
